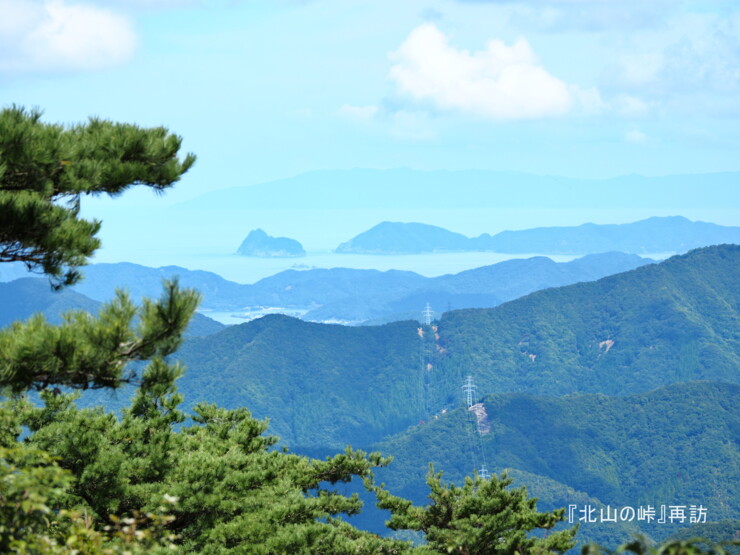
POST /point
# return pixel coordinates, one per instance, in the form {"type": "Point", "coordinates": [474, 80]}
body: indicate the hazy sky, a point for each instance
{"type": "Point", "coordinates": [267, 89]}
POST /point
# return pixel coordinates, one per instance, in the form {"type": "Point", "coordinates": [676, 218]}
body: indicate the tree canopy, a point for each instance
{"type": "Point", "coordinates": [46, 168]}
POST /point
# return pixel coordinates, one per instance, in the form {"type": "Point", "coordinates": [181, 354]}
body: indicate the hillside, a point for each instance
{"type": "Point", "coordinates": [320, 385]}
{"type": "Point", "coordinates": [478, 288]}
{"type": "Point", "coordinates": [21, 298]}
{"type": "Point", "coordinates": [356, 295]}
{"type": "Point", "coordinates": [327, 385]}
{"type": "Point", "coordinates": [673, 445]}
{"type": "Point", "coordinates": [658, 324]}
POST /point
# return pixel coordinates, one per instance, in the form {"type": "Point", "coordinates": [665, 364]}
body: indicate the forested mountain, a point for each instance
{"type": "Point", "coordinates": [321, 385]}
{"type": "Point", "coordinates": [676, 445]}
{"type": "Point", "coordinates": [658, 324]}
{"type": "Point", "coordinates": [101, 280]}
{"type": "Point", "coordinates": [21, 298]}
{"type": "Point", "coordinates": [325, 386]}
{"type": "Point", "coordinates": [483, 287]}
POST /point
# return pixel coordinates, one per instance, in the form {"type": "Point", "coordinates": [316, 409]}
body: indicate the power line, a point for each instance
{"type": "Point", "coordinates": [479, 455]}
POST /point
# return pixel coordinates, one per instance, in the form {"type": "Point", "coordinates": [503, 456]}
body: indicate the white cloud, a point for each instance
{"type": "Point", "coordinates": [56, 36]}
{"type": "Point", "coordinates": [636, 136]}
{"type": "Point", "coordinates": [358, 112]}
{"type": "Point", "coordinates": [499, 82]}
{"type": "Point", "coordinates": [589, 100]}
{"type": "Point", "coordinates": [699, 60]}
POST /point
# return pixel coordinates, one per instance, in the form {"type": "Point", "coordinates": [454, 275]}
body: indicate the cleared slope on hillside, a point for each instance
{"type": "Point", "coordinates": [658, 324]}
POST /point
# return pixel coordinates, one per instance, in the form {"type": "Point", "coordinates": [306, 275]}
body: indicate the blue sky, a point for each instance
{"type": "Point", "coordinates": [267, 89]}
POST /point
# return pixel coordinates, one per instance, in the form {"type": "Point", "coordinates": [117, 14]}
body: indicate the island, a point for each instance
{"type": "Point", "coordinates": [404, 238]}
{"type": "Point", "coordinates": [260, 244]}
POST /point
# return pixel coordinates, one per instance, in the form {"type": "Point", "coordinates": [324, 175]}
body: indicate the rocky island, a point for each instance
{"type": "Point", "coordinates": [258, 243]}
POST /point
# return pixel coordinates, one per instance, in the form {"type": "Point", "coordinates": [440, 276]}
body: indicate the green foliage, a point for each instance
{"type": "Point", "coordinates": [640, 546]}
{"type": "Point", "coordinates": [483, 516]}
{"type": "Point", "coordinates": [718, 532]}
{"type": "Point", "coordinates": [94, 352]}
{"type": "Point", "coordinates": [32, 487]}
{"type": "Point", "coordinates": [44, 170]}
{"type": "Point", "coordinates": [233, 491]}
{"type": "Point", "coordinates": [668, 446]}
{"type": "Point", "coordinates": [29, 483]}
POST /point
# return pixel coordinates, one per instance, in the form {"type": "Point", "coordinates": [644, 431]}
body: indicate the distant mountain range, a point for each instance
{"type": "Point", "coordinates": [258, 243]}
{"type": "Point", "coordinates": [349, 295]}
{"type": "Point", "coordinates": [21, 298]}
{"type": "Point", "coordinates": [654, 235]}
{"type": "Point", "coordinates": [403, 188]}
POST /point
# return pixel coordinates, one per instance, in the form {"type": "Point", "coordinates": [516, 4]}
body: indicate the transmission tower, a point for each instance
{"type": "Point", "coordinates": [483, 472]}
{"type": "Point", "coordinates": [428, 315]}
{"type": "Point", "coordinates": [476, 443]}
{"type": "Point", "coordinates": [470, 391]}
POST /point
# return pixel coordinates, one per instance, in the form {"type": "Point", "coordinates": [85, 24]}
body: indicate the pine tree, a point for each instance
{"type": "Point", "coordinates": [482, 516]}
{"type": "Point", "coordinates": [44, 171]}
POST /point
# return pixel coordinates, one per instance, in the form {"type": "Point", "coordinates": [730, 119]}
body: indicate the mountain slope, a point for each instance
{"type": "Point", "coordinates": [325, 386]}
{"type": "Point", "coordinates": [21, 298]}
{"type": "Point", "coordinates": [658, 324]}
{"type": "Point", "coordinates": [676, 445]}
{"type": "Point", "coordinates": [478, 288]}
{"type": "Point", "coordinates": [355, 295]}
{"type": "Point", "coordinates": [320, 385]}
